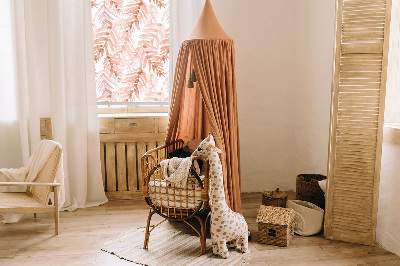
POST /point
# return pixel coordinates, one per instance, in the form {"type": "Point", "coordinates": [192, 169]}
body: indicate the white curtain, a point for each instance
{"type": "Point", "coordinates": [10, 155]}
{"type": "Point", "coordinates": [183, 18]}
{"type": "Point", "coordinates": [53, 77]}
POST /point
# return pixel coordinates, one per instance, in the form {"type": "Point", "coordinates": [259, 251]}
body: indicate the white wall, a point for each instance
{"type": "Point", "coordinates": [284, 52]}
{"type": "Point", "coordinates": [264, 33]}
{"type": "Point", "coordinates": [314, 60]}
{"type": "Point", "coordinates": [388, 227]}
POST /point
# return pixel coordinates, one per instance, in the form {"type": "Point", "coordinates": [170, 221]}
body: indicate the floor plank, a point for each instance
{"type": "Point", "coordinates": [82, 233]}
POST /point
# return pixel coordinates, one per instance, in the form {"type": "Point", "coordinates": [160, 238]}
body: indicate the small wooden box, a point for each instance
{"type": "Point", "coordinates": [274, 198]}
{"type": "Point", "coordinates": [275, 225]}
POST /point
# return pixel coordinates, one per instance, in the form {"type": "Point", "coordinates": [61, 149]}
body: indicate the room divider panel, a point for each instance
{"type": "Point", "coordinates": [358, 97]}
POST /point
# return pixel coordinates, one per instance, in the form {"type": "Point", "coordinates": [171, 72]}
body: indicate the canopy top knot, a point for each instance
{"type": "Point", "coordinates": [207, 26]}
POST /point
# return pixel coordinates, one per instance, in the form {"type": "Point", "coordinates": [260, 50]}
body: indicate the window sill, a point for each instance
{"type": "Point", "coordinates": [132, 110]}
{"type": "Point", "coordinates": [128, 115]}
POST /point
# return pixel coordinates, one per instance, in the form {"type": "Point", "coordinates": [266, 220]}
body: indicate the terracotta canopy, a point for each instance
{"type": "Point", "coordinates": [211, 105]}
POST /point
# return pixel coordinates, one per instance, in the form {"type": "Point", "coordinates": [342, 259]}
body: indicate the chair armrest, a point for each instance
{"type": "Point", "coordinates": [29, 184]}
{"type": "Point", "coordinates": [163, 146]}
{"type": "Point", "coordinates": [149, 153]}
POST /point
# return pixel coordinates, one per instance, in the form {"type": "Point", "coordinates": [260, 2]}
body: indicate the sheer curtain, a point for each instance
{"type": "Point", "coordinates": [183, 18]}
{"type": "Point", "coordinates": [53, 76]}
{"type": "Point", "coordinates": [9, 133]}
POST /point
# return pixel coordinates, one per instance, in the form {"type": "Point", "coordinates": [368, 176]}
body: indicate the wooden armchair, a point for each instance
{"type": "Point", "coordinates": [36, 197]}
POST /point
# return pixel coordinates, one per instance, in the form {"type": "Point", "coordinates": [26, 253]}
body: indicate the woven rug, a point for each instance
{"type": "Point", "coordinates": [168, 247]}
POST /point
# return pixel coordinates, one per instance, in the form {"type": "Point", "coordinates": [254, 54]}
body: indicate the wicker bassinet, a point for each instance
{"type": "Point", "coordinates": [170, 202]}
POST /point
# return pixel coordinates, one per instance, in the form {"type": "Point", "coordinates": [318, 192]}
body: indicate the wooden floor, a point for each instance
{"type": "Point", "coordinates": [83, 232]}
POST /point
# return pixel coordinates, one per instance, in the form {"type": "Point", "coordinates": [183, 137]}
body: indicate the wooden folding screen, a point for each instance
{"type": "Point", "coordinates": [358, 96]}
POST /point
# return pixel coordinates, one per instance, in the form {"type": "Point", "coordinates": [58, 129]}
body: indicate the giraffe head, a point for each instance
{"type": "Point", "coordinates": [206, 147]}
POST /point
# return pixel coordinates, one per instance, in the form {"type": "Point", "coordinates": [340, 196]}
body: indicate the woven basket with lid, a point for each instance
{"type": "Point", "coordinates": [308, 189]}
{"type": "Point", "coordinates": [274, 198]}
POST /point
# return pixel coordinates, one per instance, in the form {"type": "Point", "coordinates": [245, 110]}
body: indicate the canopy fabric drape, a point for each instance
{"type": "Point", "coordinates": [211, 106]}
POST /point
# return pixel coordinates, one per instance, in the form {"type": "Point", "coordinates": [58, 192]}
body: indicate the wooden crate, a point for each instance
{"type": "Point", "coordinates": [123, 141]}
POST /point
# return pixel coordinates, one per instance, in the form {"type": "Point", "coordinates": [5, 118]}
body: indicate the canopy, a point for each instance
{"type": "Point", "coordinates": [211, 105]}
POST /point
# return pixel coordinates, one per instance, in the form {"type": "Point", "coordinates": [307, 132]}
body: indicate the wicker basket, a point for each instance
{"type": "Point", "coordinates": [275, 225]}
{"type": "Point", "coordinates": [274, 198]}
{"type": "Point", "coordinates": [308, 189]}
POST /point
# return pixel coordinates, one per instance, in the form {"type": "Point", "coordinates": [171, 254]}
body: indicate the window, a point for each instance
{"type": "Point", "coordinates": [131, 50]}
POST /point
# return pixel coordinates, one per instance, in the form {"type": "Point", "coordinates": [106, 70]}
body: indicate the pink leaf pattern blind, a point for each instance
{"type": "Point", "coordinates": [131, 50]}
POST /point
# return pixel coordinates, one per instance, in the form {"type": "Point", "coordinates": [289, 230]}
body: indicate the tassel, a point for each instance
{"type": "Point", "coordinates": [193, 76]}
{"type": "Point", "coordinates": [190, 83]}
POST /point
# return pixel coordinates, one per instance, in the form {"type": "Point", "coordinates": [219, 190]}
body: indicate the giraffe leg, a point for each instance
{"type": "Point", "coordinates": [232, 244]}
{"type": "Point", "coordinates": [243, 243]}
{"type": "Point", "coordinates": [222, 249]}
{"type": "Point", "coordinates": [215, 248]}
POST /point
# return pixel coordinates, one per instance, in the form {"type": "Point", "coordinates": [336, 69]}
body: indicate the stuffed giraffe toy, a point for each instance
{"type": "Point", "coordinates": [226, 225]}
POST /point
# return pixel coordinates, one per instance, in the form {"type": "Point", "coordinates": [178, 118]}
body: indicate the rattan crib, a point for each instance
{"type": "Point", "coordinates": [170, 202]}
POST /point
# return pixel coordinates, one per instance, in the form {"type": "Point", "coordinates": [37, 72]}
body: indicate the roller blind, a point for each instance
{"type": "Point", "coordinates": [358, 97]}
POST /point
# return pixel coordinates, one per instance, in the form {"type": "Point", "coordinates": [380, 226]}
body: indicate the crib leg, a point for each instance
{"type": "Point", "coordinates": [147, 235]}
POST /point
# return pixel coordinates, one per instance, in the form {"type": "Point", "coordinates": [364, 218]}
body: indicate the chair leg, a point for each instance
{"type": "Point", "coordinates": [56, 218]}
{"type": "Point", "coordinates": [34, 215]}
{"type": "Point", "coordinates": [56, 211]}
{"type": "Point", "coordinates": [203, 232]}
{"type": "Point", "coordinates": [147, 235]}
{"type": "Point", "coordinates": [203, 236]}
